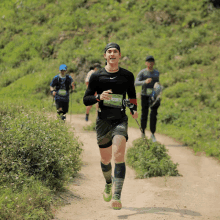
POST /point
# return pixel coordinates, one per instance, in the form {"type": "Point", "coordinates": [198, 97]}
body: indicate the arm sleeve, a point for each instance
{"type": "Point", "coordinates": [87, 78]}
{"type": "Point", "coordinates": [53, 82]}
{"type": "Point", "coordinates": [89, 98]}
{"type": "Point", "coordinates": [139, 81]}
{"type": "Point", "coordinates": [132, 92]}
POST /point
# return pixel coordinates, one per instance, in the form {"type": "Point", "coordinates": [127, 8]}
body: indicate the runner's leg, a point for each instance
{"type": "Point", "coordinates": [106, 156]}
{"type": "Point", "coordinates": [88, 109]}
{"type": "Point", "coordinates": [119, 144]}
{"type": "Point", "coordinates": [59, 108]}
{"type": "Point", "coordinates": [104, 136]}
{"type": "Point", "coordinates": [87, 112]}
{"type": "Point", "coordinates": [144, 112]}
{"type": "Point", "coordinates": [153, 117]}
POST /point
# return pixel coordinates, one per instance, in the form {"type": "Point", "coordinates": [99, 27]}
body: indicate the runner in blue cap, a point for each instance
{"type": "Point", "coordinates": [60, 88]}
{"type": "Point", "coordinates": [63, 67]}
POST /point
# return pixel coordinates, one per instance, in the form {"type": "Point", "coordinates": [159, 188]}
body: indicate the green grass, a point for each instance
{"type": "Point", "coordinates": [90, 127]}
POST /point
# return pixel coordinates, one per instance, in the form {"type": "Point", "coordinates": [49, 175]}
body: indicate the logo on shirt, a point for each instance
{"type": "Point", "coordinates": [122, 127]}
{"type": "Point", "coordinates": [113, 77]}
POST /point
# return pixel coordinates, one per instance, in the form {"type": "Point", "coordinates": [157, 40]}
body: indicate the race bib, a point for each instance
{"type": "Point", "coordinates": [62, 92]}
{"type": "Point", "coordinates": [115, 101]}
{"type": "Point", "coordinates": [149, 91]}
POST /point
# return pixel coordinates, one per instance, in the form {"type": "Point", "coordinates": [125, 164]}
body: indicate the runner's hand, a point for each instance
{"type": "Point", "coordinates": [54, 93]}
{"type": "Point", "coordinates": [105, 95]}
{"type": "Point", "coordinates": [148, 80]}
{"type": "Point", "coordinates": [135, 115]}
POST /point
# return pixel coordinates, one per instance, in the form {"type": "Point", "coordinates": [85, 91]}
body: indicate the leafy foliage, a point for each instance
{"type": "Point", "coordinates": [150, 162]}
{"type": "Point", "coordinates": [37, 154]}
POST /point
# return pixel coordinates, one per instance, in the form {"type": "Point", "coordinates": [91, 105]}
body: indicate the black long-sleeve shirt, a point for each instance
{"type": "Point", "coordinates": [121, 82]}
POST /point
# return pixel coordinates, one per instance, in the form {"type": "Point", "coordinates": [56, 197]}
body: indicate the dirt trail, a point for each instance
{"type": "Point", "coordinates": [194, 195]}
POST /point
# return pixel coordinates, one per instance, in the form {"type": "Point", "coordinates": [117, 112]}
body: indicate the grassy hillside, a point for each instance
{"type": "Point", "coordinates": [183, 35]}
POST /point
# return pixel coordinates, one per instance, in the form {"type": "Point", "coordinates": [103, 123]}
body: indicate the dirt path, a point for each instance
{"type": "Point", "coordinates": [194, 195]}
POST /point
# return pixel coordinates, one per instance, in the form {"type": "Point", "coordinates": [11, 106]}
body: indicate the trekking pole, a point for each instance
{"type": "Point", "coordinates": [127, 103]}
{"type": "Point", "coordinates": [70, 107]}
{"type": "Point", "coordinates": [52, 104]}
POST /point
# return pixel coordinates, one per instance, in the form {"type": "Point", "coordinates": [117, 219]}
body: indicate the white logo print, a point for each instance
{"type": "Point", "coordinates": [120, 127]}
{"type": "Point", "coordinates": [113, 77]}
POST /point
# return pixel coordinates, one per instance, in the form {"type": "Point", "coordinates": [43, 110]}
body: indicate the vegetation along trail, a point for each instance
{"type": "Point", "coordinates": [193, 195]}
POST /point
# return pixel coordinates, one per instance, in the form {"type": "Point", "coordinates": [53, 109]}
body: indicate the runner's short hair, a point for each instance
{"type": "Point", "coordinates": [97, 65]}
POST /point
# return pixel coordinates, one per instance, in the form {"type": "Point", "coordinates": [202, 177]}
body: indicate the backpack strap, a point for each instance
{"type": "Point", "coordinates": [67, 83]}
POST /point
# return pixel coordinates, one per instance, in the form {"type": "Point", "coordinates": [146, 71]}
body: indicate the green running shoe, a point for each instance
{"type": "Point", "coordinates": [107, 194]}
{"type": "Point", "coordinates": [116, 202]}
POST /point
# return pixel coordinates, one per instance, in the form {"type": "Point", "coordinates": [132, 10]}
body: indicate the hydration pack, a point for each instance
{"type": "Point", "coordinates": [156, 94]}
{"type": "Point", "coordinates": [67, 83]}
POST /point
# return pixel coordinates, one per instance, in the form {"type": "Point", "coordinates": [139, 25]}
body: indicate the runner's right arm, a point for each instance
{"type": "Point", "coordinates": [139, 79]}
{"type": "Point", "coordinates": [53, 87]}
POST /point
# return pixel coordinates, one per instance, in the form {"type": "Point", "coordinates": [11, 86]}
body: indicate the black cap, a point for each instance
{"type": "Point", "coordinates": [112, 45]}
{"type": "Point", "coordinates": [149, 58]}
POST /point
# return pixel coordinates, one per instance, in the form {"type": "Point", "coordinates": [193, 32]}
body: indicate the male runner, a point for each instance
{"type": "Point", "coordinates": [147, 78]}
{"type": "Point", "coordinates": [112, 83]}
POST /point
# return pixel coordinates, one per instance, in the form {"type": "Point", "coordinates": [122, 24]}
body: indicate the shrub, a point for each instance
{"type": "Point", "coordinates": [33, 202]}
{"type": "Point", "coordinates": [150, 162]}
{"type": "Point", "coordinates": [31, 145]}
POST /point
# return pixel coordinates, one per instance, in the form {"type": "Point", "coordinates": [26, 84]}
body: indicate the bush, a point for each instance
{"type": "Point", "coordinates": [33, 146]}
{"type": "Point", "coordinates": [150, 162]}
{"type": "Point", "coordinates": [38, 156]}
{"type": "Point", "coordinates": [33, 202]}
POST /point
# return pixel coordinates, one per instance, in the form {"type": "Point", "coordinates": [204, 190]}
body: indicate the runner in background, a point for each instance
{"type": "Point", "coordinates": [60, 88]}
{"type": "Point", "coordinates": [147, 78]}
{"type": "Point", "coordinates": [93, 69]}
{"type": "Point", "coordinates": [112, 83]}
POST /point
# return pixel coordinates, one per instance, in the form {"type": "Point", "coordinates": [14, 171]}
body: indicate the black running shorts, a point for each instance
{"type": "Point", "coordinates": [63, 105]}
{"type": "Point", "coordinates": [107, 129]}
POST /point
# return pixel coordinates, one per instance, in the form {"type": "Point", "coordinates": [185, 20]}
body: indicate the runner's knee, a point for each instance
{"type": "Point", "coordinates": [119, 157]}
{"type": "Point", "coordinates": [120, 142]}
{"type": "Point", "coordinates": [106, 159]}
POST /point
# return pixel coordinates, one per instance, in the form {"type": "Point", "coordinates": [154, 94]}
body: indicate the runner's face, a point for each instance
{"type": "Point", "coordinates": [62, 72]}
{"type": "Point", "coordinates": [112, 56]}
{"type": "Point", "coordinates": [150, 64]}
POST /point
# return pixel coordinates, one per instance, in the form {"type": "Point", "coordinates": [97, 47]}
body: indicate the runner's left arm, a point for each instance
{"type": "Point", "coordinates": [72, 86]}
{"type": "Point", "coordinates": [89, 98]}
